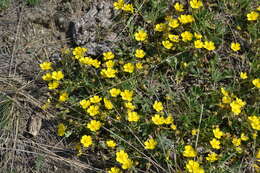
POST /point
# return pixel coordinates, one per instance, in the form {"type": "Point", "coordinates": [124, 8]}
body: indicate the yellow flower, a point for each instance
{"type": "Point", "coordinates": [46, 66]}
{"type": "Point", "coordinates": [196, 4]}
{"type": "Point", "coordinates": [224, 92]}
{"type": "Point", "coordinates": [114, 170]}
{"type": "Point", "coordinates": [226, 99]}
{"type": "Point", "coordinates": [132, 116]}
{"type": "Point", "coordinates": [209, 45]}
{"type": "Point", "coordinates": [237, 105]}
{"type": "Point", "coordinates": [239, 149]}
{"type": "Point", "coordinates": [194, 132]}
{"type": "Point", "coordinates": [160, 27]}
{"type": "Point", "coordinates": [254, 121]}
{"type": "Point", "coordinates": [84, 103]}
{"type": "Point", "coordinates": [157, 119]}
{"type": "Point", "coordinates": [189, 151]}
{"type": "Point", "coordinates": [158, 106]}
{"type": "Point", "coordinates": [238, 28]}
{"type": "Point", "coordinates": [168, 18]}
{"type": "Point", "coordinates": [198, 44]}
{"type": "Point", "coordinates": [243, 75]}
{"type": "Point", "coordinates": [186, 36]}
{"type": "Point", "coordinates": [130, 106]}
{"type": "Point", "coordinates": [168, 120]}
{"type": "Point", "coordinates": [86, 140]}
{"type": "Point", "coordinates": [235, 46]}
{"type": "Point", "coordinates": [128, 8]}
{"type": "Point", "coordinates": [243, 137]}
{"type": "Point", "coordinates": [218, 133]}
{"type": "Point", "coordinates": [110, 63]}
{"type": "Point", "coordinates": [258, 155]}
{"type": "Point", "coordinates": [95, 63]}
{"type": "Point", "coordinates": [256, 82]}
{"type": "Point", "coordinates": [93, 110]}
{"type": "Point", "coordinates": [139, 53]}
{"type": "Point", "coordinates": [150, 144]}
{"type": "Point", "coordinates": [122, 157]}
{"type": "Point", "coordinates": [212, 157]}
{"type": "Point", "coordinates": [119, 4]}
{"type": "Point", "coordinates": [109, 73]}
{"type": "Point", "coordinates": [118, 117]}
{"type": "Point", "coordinates": [141, 35]}
{"type": "Point", "coordinates": [108, 55]}
{"type": "Point", "coordinates": [82, 60]}
{"type": "Point", "coordinates": [173, 38]}
{"type": "Point", "coordinates": [127, 95]}
{"type": "Point", "coordinates": [47, 77]}
{"type": "Point", "coordinates": [184, 64]}
{"type": "Point", "coordinates": [57, 75]}
{"type": "Point", "coordinates": [236, 141]}
{"type": "Point", "coordinates": [184, 19]}
{"type": "Point", "coordinates": [127, 164]}
{"type": "Point", "coordinates": [194, 167]}
{"type": "Point", "coordinates": [53, 85]}
{"type": "Point", "coordinates": [197, 35]}
{"type": "Point", "coordinates": [108, 104]}
{"type": "Point", "coordinates": [173, 23]}
{"type": "Point", "coordinates": [114, 92]}
{"type": "Point", "coordinates": [236, 108]}
{"type": "Point", "coordinates": [254, 135]}
{"type": "Point", "coordinates": [252, 16]}
{"type": "Point", "coordinates": [63, 97]}
{"type": "Point", "coordinates": [79, 52]}
{"type": "Point", "coordinates": [256, 167]}
{"type": "Point", "coordinates": [95, 99]}
{"type": "Point", "coordinates": [178, 7]}
{"type": "Point", "coordinates": [78, 148]}
{"type": "Point", "coordinates": [258, 8]}
{"type": "Point", "coordinates": [215, 143]}
{"type": "Point", "coordinates": [86, 60]}
{"type": "Point", "coordinates": [173, 127]}
{"type": "Point", "coordinates": [94, 125]}
{"type": "Point", "coordinates": [167, 44]}
{"type": "Point", "coordinates": [139, 65]}
{"type": "Point", "coordinates": [111, 143]}
{"type": "Point", "coordinates": [129, 67]}
{"type": "Point", "coordinates": [61, 129]}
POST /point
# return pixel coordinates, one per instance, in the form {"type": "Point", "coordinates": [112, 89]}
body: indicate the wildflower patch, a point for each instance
{"type": "Point", "coordinates": [181, 95]}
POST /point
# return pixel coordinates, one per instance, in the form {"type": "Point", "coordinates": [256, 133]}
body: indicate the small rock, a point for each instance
{"type": "Point", "coordinates": [34, 125]}
{"type": "Point", "coordinates": [93, 28]}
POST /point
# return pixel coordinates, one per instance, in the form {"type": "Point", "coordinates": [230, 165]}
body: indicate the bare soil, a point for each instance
{"type": "Point", "coordinates": [30, 35]}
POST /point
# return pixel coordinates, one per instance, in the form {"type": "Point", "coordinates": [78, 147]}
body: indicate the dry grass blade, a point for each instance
{"type": "Point", "coordinates": [56, 157]}
{"type": "Point", "coordinates": [5, 108]}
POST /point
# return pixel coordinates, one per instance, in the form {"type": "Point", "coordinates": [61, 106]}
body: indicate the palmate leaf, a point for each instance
{"type": "Point", "coordinates": [5, 107]}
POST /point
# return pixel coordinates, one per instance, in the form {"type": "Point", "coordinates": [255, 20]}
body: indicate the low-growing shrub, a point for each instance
{"type": "Point", "coordinates": [181, 94]}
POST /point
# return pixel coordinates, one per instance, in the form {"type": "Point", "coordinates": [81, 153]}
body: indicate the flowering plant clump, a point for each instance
{"type": "Point", "coordinates": [181, 94]}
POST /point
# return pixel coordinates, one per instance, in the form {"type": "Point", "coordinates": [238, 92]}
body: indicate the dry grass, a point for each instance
{"type": "Point", "coordinates": [23, 45]}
